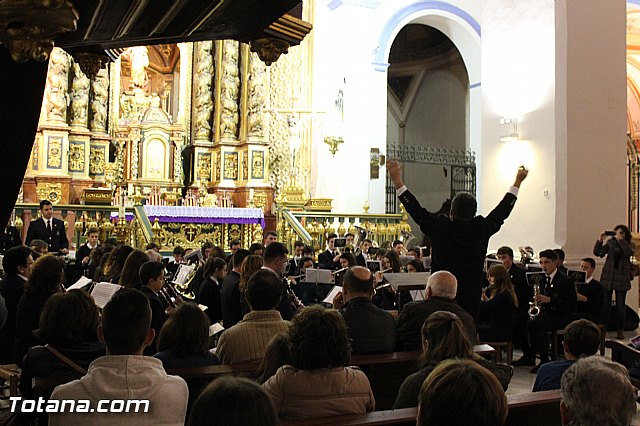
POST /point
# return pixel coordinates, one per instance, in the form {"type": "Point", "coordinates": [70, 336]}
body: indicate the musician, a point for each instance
{"type": "Point", "coordinates": [234, 246]}
{"type": "Point", "coordinates": [387, 297]}
{"type": "Point", "coordinates": [269, 237]}
{"type": "Point", "coordinates": [294, 263]}
{"type": "Point", "coordinates": [561, 256]}
{"type": "Point", "coordinates": [459, 241]}
{"type": "Point", "coordinates": [275, 257]}
{"type": "Point", "coordinates": [330, 258]}
{"type": "Point", "coordinates": [398, 246]}
{"type": "Point", "coordinates": [39, 248]}
{"type": "Point", "coordinates": [9, 237]}
{"type": "Point", "coordinates": [206, 251]}
{"type": "Point", "coordinates": [213, 271]}
{"type": "Point", "coordinates": [524, 294]}
{"type": "Point", "coordinates": [590, 294]}
{"type": "Point", "coordinates": [256, 249]}
{"type": "Point", "coordinates": [364, 256]}
{"type": "Point", "coordinates": [230, 291]}
{"type": "Point", "coordinates": [347, 260]}
{"type": "Point", "coordinates": [48, 229]}
{"type": "Point", "coordinates": [498, 307]}
{"type": "Point", "coordinates": [152, 278]}
{"type": "Point", "coordinates": [308, 251]}
{"type": "Point", "coordinates": [83, 255]}
{"type": "Point", "coordinates": [557, 301]}
{"type": "Point", "coordinates": [178, 258]}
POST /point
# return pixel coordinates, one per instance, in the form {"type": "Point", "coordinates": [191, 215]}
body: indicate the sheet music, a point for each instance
{"type": "Point", "coordinates": [404, 279]}
{"type": "Point", "coordinates": [103, 292]}
{"type": "Point", "coordinates": [83, 281]}
{"type": "Point", "coordinates": [215, 328]}
{"type": "Point", "coordinates": [322, 276]}
{"type": "Point", "coordinates": [183, 274]}
{"type": "Point", "coordinates": [334, 291]}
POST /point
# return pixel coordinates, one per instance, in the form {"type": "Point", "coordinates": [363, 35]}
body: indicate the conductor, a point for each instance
{"type": "Point", "coordinates": [459, 241]}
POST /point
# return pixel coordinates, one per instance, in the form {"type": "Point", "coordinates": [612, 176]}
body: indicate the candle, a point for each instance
{"type": "Point", "coordinates": [121, 214]}
{"type": "Point", "coordinates": [251, 194]}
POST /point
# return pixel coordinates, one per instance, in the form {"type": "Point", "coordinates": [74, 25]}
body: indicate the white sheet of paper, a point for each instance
{"type": "Point", "coordinates": [183, 274]}
{"type": "Point", "coordinates": [203, 307]}
{"type": "Point", "coordinates": [322, 276]}
{"type": "Point", "coordinates": [103, 292]}
{"type": "Point", "coordinates": [71, 254]}
{"type": "Point", "coordinates": [404, 279]}
{"type": "Point", "coordinates": [83, 281]}
{"type": "Point", "coordinates": [335, 290]}
{"type": "Point", "coordinates": [215, 328]}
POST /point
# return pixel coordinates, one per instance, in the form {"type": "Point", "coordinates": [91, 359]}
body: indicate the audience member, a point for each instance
{"type": "Point", "coordinates": [277, 354]}
{"type": "Point", "coordinates": [439, 296]}
{"type": "Point", "coordinates": [209, 295]}
{"type": "Point", "coordinates": [461, 393]}
{"type": "Point", "coordinates": [497, 311]}
{"type": "Point", "coordinates": [230, 291]}
{"type": "Point", "coordinates": [130, 275]}
{"type": "Point", "coordinates": [38, 248]}
{"type": "Point", "coordinates": [152, 278]}
{"type": "Point", "coordinates": [590, 294]}
{"type": "Point", "coordinates": [124, 374]}
{"type": "Point", "coordinates": [319, 383]}
{"type": "Point", "coordinates": [596, 392]}
{"type": "Point", "coordinates": [248, 339]}
{"type": "Point", "coordinates": [232, 401]}
{"type": "Point", "coordinates": [250, 266]}
{"type": "Point", "coordinates": [581, 339]}
{"type": "Point", "coordinates": [370, 328]}
{"type": "Point", "coordinates": [115, 264]}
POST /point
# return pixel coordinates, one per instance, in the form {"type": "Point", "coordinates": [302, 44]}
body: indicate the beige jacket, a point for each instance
{"type": "Point", "coordinates": [304, 394]}
{"type": "Point", "coordinates": [247, 340]}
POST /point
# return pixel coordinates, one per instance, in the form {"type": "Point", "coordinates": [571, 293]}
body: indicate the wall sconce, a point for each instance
{"type": "Point", "coordinates": [333, 142]}
{"type": "Point", "coordinates": [512, 130]}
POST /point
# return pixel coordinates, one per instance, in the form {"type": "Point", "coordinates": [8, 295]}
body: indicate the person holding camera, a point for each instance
{"type": "Point", "coordinates": [616, 274]}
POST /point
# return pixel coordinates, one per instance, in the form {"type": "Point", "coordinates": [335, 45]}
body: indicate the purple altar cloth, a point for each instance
{"type": "Point", "coordinates": [201, 215]}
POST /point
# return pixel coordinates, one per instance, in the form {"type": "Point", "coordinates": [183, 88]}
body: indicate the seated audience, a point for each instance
{"type": "Point", "coordinates": [154, 256]}
{"type": "Point", "coordinates": [250, 266]}
{"type": "Point", "coordinates": [233, 401]}
{"type": "Point", "coordinates": [17, 264]}
{"type": "Point", "coordinates": [318, 382]}
{"type": "Point", "coordinates": [497, 311]}
{"type": "Point", "coordinates": [590, 294]}
{"type": "Point", "coordinates": [461, 393]}
{"type": "Point", "coordinates": [184, 339]}
{"type": "Point", "coordinates": [209, 295]}
{"type": "Point", "coordinates": [130, 275]}
{"type": "Point", "coordinates": [247, 340]}
{"type": "Point", "coordinates": [38, 248]}
{"type": "Point", "coordinates": [596, 392]}
{"type": "Point", "coordinates": [68, 328]}
{"type": "Point", "coordinates": [581, 339]}
{"type": "Point", "coordinates": [124, 374]}
{"type": "Point", "coordinates": [439, 296]}
{"type": "Point", "coordinates": [152, 278]}
{"type": "Point", "coordinates": [443, 337]}
{"type": "Point", "coordinates": [277, 354]}
{"type": "Point", "coordinates": [230, 291]}
{"type": "Point", "coordinates": [115, 264]}
{"type": "Point", "coordinates": [46, 280]}
{"type": "Point", "coordinates": [370, 328]}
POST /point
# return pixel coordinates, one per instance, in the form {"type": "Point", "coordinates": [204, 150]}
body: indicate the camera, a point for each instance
{"type": "Point", "coordinates": [610, 233]}
{"type": "Point", "coordinates": [339, 242]}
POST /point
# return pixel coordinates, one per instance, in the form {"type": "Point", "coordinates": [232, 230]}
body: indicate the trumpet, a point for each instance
{"type": "Point", "coordinates": [339, 270]}
{"type": "Point", "coordinates": [383, 285]}
{"type": "Point", "coordinates": [534, 307]}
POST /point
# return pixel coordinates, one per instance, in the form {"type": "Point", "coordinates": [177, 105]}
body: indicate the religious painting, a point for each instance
{"type": "Point", "coordinates": [257, 165]}
{"type": "Point", "coordinates": [76, 156]}
{"type": "Point", "coordinates": [231, 165]}
{"type": "Point", "coordinates": [96, 160]}
{"type": "Point", "coordinates": [54, 152]}
{"type": "Point", "coordinates": [155, 154]}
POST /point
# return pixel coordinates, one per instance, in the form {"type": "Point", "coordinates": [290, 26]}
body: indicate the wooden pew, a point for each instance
{"type": "Point", "coordinates": [624, 354]}
{"type": "Point", "coordinates": [529, 409]}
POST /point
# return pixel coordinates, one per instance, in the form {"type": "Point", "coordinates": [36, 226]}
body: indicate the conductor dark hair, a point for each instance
{"type": "Point", "coordinates": [150, 271]}
{"type": "Point", "coordinates": [355, 284]}
{"type": "Point", "coordinates": [14, 257]}
{"type": "Point", "coordinates": [125, 321]}
{"type": "Point", "coordinates": [319, 339]}
{"type": "Point", "coordinates": [45, 203]}
{"type": "Point", "coordinates": [68, 318]}
{"type": "Point", "coordinates": [233, 401]}
{"type": "Point", "coordinates": [274, 250]}
{"type": "Point", "coordinates": [549, 254]}
{"type": "Point", "coordinates": [463, 207]}
{"type": "Point", "coordinates": [506, 250]}
{"type": "Point", "coordinates": [239, 257]}
{"type": "Point", "coordinates": [582, 338]}
{"type": "Point", "coordinates": [263, 290]}
{"type": "Point", "coordinates": [590, 261]}
{"type": "Point", "coordinates": [625, 229]}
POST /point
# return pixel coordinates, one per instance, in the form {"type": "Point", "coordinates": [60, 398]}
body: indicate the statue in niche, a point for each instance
{"type": "Point", "coordinates": [79, 97]}
{"type": "Point", "coordinates": [57, 86]}
{"type": "Point", "coordinates": [203, 99]}
{"type": "Point", "coordinates": [99, 87]}
{"type": "Point", "coordinates": [139, 58]}
{"type": "Point", "coordinates": [230, 87]}
{"type": "Point", "coordinates": [257, 95]}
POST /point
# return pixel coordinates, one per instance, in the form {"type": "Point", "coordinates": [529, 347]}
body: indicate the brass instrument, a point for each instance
{"type": "Point", "coordinates": [361, 235]}
{"type": "Point", "coordinates": [534, 307]}
{"type": "Point", "coordinates": [184, 289]}
{"type": "Point", "coordinates": [526, 255]}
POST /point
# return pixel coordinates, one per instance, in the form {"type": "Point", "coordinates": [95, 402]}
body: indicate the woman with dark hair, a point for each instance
{"type": "Point", "coordinates": [277, 354]}
{"type": "Point", "coordinates": [616, 274]}
{"type": "Point", "coordinates": [497, 310]}
{"type": "Point", "coordinates": [214, 271]}
{"type": "Point", "coordinates": [113, 268]}
{"type": "Point", "coordinates": [386, 297]}
{"type": "Point", "coordinates": [347, 260]}
{"type": "Point", "coordinates": [232, 401]}
{"type": "Point", "coordinates": [443, 337]}
{"type": "Point", "coordinates": [95, 259]}
{"type": "Point", "coordinates": [67, 326]}
{"type": "Point", "coordinates": [414, 266]}
{"type": "Point", "coordinates": [130, 275]}
{"type": "Point", "coordinates": [184, 339]}
{"type": "Point", "coordinates": [249, 266]}
{"type": "Point", "coordinates": [46, 279]}
{"type": "Point", "coordinates": [318, 382]}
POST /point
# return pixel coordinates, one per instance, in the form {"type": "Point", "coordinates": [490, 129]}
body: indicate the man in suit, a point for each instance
{"type": "Point", "coordinates": [590, 294]}
{"type": "Point", "coordinates": [557, 301]}
{"type": "Point", "coordinates": [371, 329]}
{"type": "Point", "coordinates": [9, 237]}
{"type": "Point", "coordinates": [84, 252]}
{"type": "Point", "coordinates": [363, 256]}
{"type": "Point", "coordinates": [524, 294]}
{"type": "Point", "coordinates": [459, 241]}
{"type": "Point", "coordinates": [48, 229]}
{"type": "Point", "coordinates": [330, 258]}
{"type": "Point", "coordinates": [294, 263]}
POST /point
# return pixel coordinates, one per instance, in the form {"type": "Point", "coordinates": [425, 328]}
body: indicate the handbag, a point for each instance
{"type": "Point", "coordinates": [634, 271]}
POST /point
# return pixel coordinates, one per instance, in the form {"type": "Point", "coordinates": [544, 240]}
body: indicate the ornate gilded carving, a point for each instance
{"type": "Point", "coordinates": [269, 49]}
{"type": "Point", "coordinates": [260, 200]}
{"type": "Point", "coordinates": [231, 165]}
{"type": "Point", "coordinates": [96, 160]}
{"type": "Point", "coordinates": [134, 137]}
{"type": "Point", "coordinates": [100, 95]}
{"type": "Point", "coordinates": [138, 57]}
{"type": "Point", "coordinates": [90, 63]}
{"type": "Point", "coordinates": [54, 152]}
{"type": "Point", "coordinates": [29, 26]}
{"type": "Point", "coordinates": [118, 175]}
{"type": "Point", "coordinates": [257, 97]}
{"type": "Point", "coordinates": [178, 174]}
{"type": "Point", "coordinates": [245, 165]}
{"type": "Point", "coordinates": [49, 191]}
{"type": "Point", "coordinates": [57, 86]}
{"type": "Point", "coordinates": [257, 165]}
{"type": "Point", "coordinates": [229, 90]}
{"type": "Point", "coordinates": [76, 156]}
{"type": "Point", "coordinates": [35, 154]}
{"type": "Point", "coordinates": [203, 101]}
{"type": "Point", "coordinates": [79, 97]}
{"type": "Point", "coordinates": [204, 166]}
{"type": "Point", "coordinates": [218, 165]}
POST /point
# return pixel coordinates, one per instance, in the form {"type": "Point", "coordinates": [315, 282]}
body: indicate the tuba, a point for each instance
{"type": "Point", "coordinates": [361, 235]}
